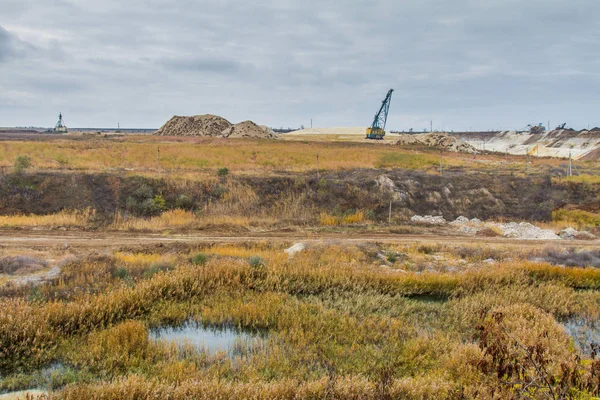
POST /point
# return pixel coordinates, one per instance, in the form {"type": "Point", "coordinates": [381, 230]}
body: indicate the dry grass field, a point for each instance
{"type": "Point", "coordinates": [295, 154]}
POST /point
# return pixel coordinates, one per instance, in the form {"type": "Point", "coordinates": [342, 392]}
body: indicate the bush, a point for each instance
{"type": "Point", "coordinates": [184, 202]}
{"type": "Point", "coordinates": [160, 205]}
{"type": "Point", "coordinates": [121, 273]}
{"type": "Point", "coordinates": [256, 262]}
{"type": "Point", "coordinates": [146, 207]}
{"type": "Point", "coordinates": [223, 172]}
{"type": "Point", "coordinates": [143, 192]}
{"type": "Point", "coordinates": [22, 163]}
{"type": "Point", "coordinates": [199, 259]}
{"type": "Point", "coordinates": [155, 269]}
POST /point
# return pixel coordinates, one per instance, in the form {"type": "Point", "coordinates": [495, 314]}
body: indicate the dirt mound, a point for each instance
{"type": "Point", "coordinates": [199, 125]}
{"type": "Point", "coordinates": [214, 126]}
{"type": "Point", "coordinates": [442, 141]}
{"type": "Point", "coordinates": [249, 129]}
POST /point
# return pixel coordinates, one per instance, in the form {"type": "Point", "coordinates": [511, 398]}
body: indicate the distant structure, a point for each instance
{"type": "Point", "coordinates": [60, 125]}
{"type": "Point", "coordinates": [533, 129]}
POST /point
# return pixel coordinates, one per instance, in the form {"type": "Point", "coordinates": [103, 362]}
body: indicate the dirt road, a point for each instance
{"type": "Point", "coordinates": [111, 240]}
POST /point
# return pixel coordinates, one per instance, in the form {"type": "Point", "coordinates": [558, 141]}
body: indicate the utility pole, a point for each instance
{"type": "Point", "coordinates": [311, 123]}
{"type": "Point", "coordinates": [431, 126]}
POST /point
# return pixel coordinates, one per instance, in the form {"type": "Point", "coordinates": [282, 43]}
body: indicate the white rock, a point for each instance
{"type": "Point", "coordinates": [568, 234]}
{"type": "Point", "coordinates": [297, 248]}
{"type": "Point", "coordinates": [429, 220]}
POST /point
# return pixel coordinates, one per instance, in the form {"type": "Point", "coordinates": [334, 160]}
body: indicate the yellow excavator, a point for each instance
{"type": "Point", "coordinates": [377, 129]}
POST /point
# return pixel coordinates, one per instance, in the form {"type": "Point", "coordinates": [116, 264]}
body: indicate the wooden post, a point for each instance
{"type": "Point", "coordinates": [441, 162]}
{"type": "Point", "coordinates": [390, 214]}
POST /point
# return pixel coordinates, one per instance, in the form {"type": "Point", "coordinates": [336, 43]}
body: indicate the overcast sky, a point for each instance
{"type": "Point", "coordinates": [480, 64]}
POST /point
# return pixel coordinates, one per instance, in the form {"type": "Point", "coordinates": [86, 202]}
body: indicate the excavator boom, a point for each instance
{"type": "Point", "coordinates": [377, 129]}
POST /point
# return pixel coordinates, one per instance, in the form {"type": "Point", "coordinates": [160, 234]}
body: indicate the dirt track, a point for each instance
{"type": "Point", "coordinates": [110, 240]}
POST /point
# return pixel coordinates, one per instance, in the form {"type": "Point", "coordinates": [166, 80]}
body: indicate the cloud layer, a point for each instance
{"type": "Point", "coordinates": [463, 64]}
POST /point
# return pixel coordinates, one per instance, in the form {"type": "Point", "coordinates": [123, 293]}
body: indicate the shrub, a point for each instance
{"type": "Point", "coordinates": [22, 163]}
{"type": "Point", "coordinates": [199, 259]}
{"type": "Point", "coordinates": [121, 273]}
{"type": "Point", "coordinates": [184, 202]}
{"type": "Point", "coordinates": [223, 172]}
{"type": "Point", "coordinates": [148, 207]}
{"type": "Point", "coordinates": [160, 205]}
{"type": "Point", "coordinates": [256, 262]}
{"type": "Point", "coordinates": [143, 192]}
{"type": "Point", "coordinates": [155, 269]}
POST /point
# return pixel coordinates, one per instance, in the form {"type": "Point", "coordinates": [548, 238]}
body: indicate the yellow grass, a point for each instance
{"type": "Point", "coordinates": [247, 156]}
{"type": "Point", "coordinates": [63, 218]}
{"type": "Point", "coordinates": [144, 258]}
{"type": "Point", "coordinates": [579, 218]}
{"type": "Point", "coordinates": [183, 219]}
{"type": "Point", "coordinates": [169, 219]}
{"type": "Point", "coordinates": [584, 178]}
{"type": "Point", "coordinates": [357, 217]}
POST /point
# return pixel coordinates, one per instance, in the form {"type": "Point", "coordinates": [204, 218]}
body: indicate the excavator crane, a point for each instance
{"type": "Point", "coordinates": [377, 129]}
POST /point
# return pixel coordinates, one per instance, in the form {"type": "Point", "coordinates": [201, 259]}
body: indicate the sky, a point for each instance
{"type": "Point", "coordinates": [463, 64]}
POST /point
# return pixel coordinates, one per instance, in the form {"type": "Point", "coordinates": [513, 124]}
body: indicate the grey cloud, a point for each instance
{"type": "Point", "coordinates": [11, 47]}
{"type": "Point", "coordinates": [280, 62]}
{"type": "Point", "coordinates": [201, 64]}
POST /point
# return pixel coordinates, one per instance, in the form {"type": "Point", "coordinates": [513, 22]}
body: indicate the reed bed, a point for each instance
{"type": "Point", "coordinates": [335, 324]}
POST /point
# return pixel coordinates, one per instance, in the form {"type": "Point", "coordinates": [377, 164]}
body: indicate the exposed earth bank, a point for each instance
{"type": "Point", "coordinates": [302, 197]}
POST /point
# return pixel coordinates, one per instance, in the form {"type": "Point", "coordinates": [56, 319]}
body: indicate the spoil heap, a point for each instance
{"type": "Point", "coordinates": [441, 141]}
{"type": "Point", "coordinates": [199, 125]}
{"type": "Point", "coordinates": [214, 126]}
{"type": "Point", "coordinates": [249, 129]}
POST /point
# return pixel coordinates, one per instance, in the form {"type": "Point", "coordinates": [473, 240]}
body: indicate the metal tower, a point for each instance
{"type": "Point", "coordinates": [60, 125]}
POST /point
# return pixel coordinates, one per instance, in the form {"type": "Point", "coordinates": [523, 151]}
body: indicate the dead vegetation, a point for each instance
{"type": "Point", "coordinates": [572, 257]}
{"type": "Point", "coordinates": [21, 265]}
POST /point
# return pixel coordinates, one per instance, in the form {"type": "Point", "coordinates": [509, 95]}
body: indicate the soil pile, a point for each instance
{"type": "Point", "coordinates": [441, 141]}
{"type": "Point", "coordinates": [199, 125]}
{"type": "Point", "coordinates": [249, 129]}
{"type": "Point", "coordinates": [214, 126]}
